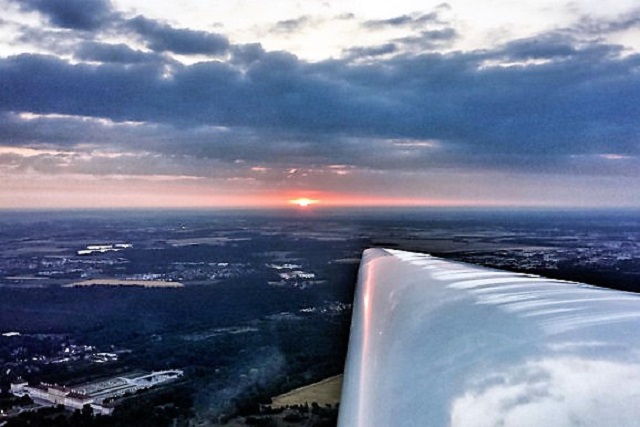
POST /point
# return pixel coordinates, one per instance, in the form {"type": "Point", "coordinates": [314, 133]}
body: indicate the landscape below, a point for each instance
{"type": "Point", "coordinates": [246, 306]}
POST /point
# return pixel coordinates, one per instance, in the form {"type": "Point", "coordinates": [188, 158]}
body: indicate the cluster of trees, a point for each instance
{"type": "Point", "coordinates": [9, 401]}
{"type": "Point", "coordinates": [303, 350]}
{"type": "Point", "coordinates": [58, 416]}
{"type": "Point", "coordinates": [313, 416]}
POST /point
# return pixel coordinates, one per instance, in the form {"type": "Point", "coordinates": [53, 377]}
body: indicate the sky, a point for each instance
{"type": "Point", "coordinates": [244, 103]}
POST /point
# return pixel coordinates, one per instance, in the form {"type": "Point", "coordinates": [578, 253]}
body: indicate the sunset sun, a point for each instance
{"type": "Point", "coordinates": [303, 202]}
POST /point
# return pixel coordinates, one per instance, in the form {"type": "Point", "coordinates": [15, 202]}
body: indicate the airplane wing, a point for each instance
{"type": "Point", "coordinates": [441, 343]}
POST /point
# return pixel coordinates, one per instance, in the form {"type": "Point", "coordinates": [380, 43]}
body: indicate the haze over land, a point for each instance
{"type": "Point", "coordinates": [129, 103]}
{"type": "Point", "coordinates": [264, 302]}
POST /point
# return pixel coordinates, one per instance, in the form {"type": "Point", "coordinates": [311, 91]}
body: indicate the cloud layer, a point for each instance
{"type": "Point", "coordinates": [554, 103]}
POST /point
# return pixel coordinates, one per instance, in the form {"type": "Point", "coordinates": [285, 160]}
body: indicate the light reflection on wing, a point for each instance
{"type": "Point", "coordinates": [441, 343]}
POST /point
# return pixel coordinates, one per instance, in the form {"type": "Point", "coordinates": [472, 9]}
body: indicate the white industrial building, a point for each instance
{"type": "Point", "coordinates": [49, 394]}
{"type": "Point", "coordinates": [95, 394]}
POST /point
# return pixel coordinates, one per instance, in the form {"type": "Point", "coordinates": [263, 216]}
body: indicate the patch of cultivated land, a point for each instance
{"type": "Point", "coordinates": [324, 392]}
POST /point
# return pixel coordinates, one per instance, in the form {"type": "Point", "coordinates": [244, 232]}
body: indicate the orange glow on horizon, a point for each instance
{"type": "Point", "coordinates": [348, 200]}
{"type": "Point", "coordinates": [164, 192]}
{"type": "Point", "coordinates": [303, 202]}
{"type": "Point", "coordinates": [320, 200]}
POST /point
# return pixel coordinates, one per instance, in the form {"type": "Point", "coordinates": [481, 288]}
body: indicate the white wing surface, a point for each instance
{"type": "Point", "coordinates": [441, 343]}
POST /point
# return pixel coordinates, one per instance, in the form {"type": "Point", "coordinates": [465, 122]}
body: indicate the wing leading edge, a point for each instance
{"type": "Point", "coordinates": [441, 343]}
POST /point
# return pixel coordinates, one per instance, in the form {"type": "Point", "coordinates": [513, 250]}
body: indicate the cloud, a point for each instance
{"type": "Point", "coordinates": [444, 97]}
{"type": "Point", "coordinates": [164, 38]}
{"type": "Point", "coordinates": [411, 21]}
{"type": "Point", "coordinates": [292, 25]}
{"type": "Point", "coordinates": [371, 51]}
{"type": "Point", "coordinates": [564, 391]}
{"type": "Point", "coordinates": [98, 15]}
{"type": "Point", "coordinates": [547, 46]}
{"type": "Point", "coordinates": [72, 14]}
{"type": "Point", "coordinates": [47, 84]}
{"type": "Point", "coordinates": [429, 40]}
{"type": "Point", "coordinates": [419, 32]}
{"type": "Point", "coordinates": [116, 53]}
{"type": "Point", "coordinates": [346, 16]}
{"type": "Point", "coordinates": [545, 103]}
{"type": "Point", "coordinates": [554, 106]}
{"type": "Point", "coordinates": [246, 54]}
{"type": "Point", "coordinates": [603, 26]}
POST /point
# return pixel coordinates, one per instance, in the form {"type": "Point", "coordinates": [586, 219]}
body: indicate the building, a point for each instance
{"type": "Point", "coordinates": [49, 394]}
{"type": "Point", "coordinates": [98, 394]}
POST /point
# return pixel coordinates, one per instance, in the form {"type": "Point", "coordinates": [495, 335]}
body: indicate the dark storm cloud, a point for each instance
{"type": "Point", "coordinates": [72, 14]}
{"type": "Point", "coordinates": [165, 38]}
{"type": "Point", "coordinates": [580, 100]}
